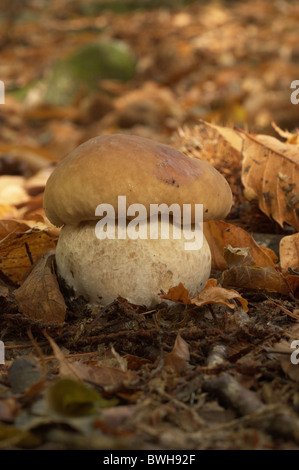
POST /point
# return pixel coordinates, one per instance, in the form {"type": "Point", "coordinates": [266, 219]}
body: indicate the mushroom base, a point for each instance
{"type": "Point", "coordinates": [137, 270]}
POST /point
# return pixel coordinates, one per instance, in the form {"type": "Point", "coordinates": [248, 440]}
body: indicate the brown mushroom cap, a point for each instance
{"type": "Point", "coordinates": [146, 172]}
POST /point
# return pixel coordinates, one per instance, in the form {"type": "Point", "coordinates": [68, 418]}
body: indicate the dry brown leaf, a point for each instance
{"type": "Point", "coordinates": [237, 256]}
{"type": "Point", "coordinates": [178, 294]}
{"type": "Point", "coordinates": [262, 278]}
{"type": "Point", "coordinates": [104, 375]}
{"type": "Point", "coordinates": [270, 174]}
{"type": "Point", "coordinates": [289, 252]}
{"type": "Point", "coordinates": [9, 226]}
{"type": "Point", "coordinates": [211, 294]}
{"type": "Point", "coordinates": [220, 235]}
{"type": "Point", "coordinates": [179, 356]}
{"type": "Point", "coordinates": [66, 368]}
{"type": "Point", "coordinates": [17, 247]}
{"type": "Point", "coordinates": [39, 297]}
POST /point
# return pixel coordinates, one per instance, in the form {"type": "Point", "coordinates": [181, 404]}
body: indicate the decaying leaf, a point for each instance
{"type": "Point", "coordinates": [211, 294]}
{"type": "Point", "coordinates": [39, 296]}
{"type": "Point", "coordinates": [220, 235]}
{"type": "Point", "coordinates": [270, 173]}
{"type": "Point", "coordinates": [289, 252]}
{"type": "Point", "coordinates": [179, 356]}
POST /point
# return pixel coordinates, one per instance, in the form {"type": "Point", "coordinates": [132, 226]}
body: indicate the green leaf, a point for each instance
{"type": "Point", "coordinates": [70, 398]}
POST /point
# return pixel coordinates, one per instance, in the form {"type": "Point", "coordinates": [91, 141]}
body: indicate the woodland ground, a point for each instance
{"type": "Point", "coordinates": [213, 374]}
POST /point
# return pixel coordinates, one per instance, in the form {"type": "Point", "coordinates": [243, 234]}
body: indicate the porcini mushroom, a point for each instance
{"type": "Point", "coordinates": [143, 172]}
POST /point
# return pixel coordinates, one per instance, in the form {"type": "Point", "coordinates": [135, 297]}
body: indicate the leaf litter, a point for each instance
{"type": "Point", "coordinates": [212, 371]}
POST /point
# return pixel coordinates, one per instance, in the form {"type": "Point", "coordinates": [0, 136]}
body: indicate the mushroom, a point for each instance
{"type": "Point", "coordinates": [134, 170]}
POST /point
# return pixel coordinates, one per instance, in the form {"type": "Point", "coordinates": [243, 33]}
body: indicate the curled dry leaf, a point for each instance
{"type": "Point", "coordinates": [39, 297]}
{"type": "Point", "coordinates": [237, 256]}
{"type": "Point", "coordinates": [270, 174]}
{"type": "Point", "coordinates": [221, 234]}
{"type": "Point", "coordinates": [211, 294]}
{"type": "Point", "coordinates": [289, 252]}
{"type": "Point", "coordinates": [179, 356]}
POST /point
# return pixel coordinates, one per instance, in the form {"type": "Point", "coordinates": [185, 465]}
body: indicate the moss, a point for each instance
{"type": "Point", "coordinates": [83, 70]}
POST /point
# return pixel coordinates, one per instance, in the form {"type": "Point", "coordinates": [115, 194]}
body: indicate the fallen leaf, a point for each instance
{"type": "Point", "coordinates": [39, 297]}
{"type": "Point", "coordinates": [177, 294]}
{"type": "Point", "coordinates": [253, 277]}
{"type": "Point", "coordinates": [211, 294]}
{"type": "Point", "coordinates": [8, 226]}
{"type": "Point", "coordinates": [19, 248]}
{"type": "Point", "coordinates": [178, 357]}
{"type": "Point", "coordinates": [270, 173]}
{"type": "Point", "coordinates": [220, 235]}
{"type": "Point", "coordinates": [105, 376]}
{"type": "Point", "coordinates": [66, 368]}
{"type": "Point", "coordinates": [68, 397]}
{"type": "Point", "coordinates": [237, 256]}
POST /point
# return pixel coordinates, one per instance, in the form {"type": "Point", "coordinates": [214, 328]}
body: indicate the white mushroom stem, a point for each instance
{"type": "Point", "coordinates": [102, 270]}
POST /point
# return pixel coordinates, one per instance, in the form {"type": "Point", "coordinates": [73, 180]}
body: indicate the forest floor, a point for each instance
{"type": "Point", "coordinates": [204, 375]}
